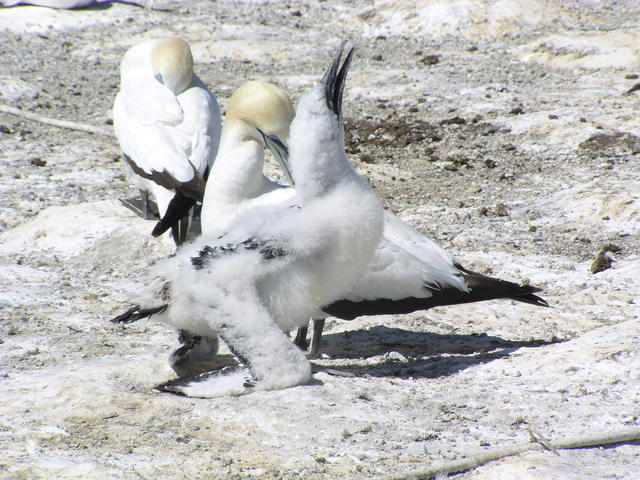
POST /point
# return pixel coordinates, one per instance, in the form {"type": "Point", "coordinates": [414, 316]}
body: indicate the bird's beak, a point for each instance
{"type": "Point", "coordinates": [334, 80]}
{"type": "Point", "coordinates": [280, 152]}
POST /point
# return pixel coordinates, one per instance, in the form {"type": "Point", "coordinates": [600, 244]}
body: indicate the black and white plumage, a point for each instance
{"type": "Point", "coordinates": [235, 183]}
{"type": "Point", "coordinates": [276, 266]}
{"type": "Point", "coordinates": [168, 125]}
{"type": "Point", "coordinates": [410, 272]}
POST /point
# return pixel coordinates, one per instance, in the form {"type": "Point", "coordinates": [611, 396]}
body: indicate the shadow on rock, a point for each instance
{"type": "Point", "coordinates": [409, 354]}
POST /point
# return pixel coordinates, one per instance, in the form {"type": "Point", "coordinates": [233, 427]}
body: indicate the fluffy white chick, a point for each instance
{"type": "Point", "coordinates": [276, 266]}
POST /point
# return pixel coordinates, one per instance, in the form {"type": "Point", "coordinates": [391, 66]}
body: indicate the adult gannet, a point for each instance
{"type": "Point", "coordinates": [236, 181]}
{"type": "Point", "coordinates": [62, 4]}
{"type": "Point", "coordinates": [276, 266]}
{"type": "Point", "coordinates": [168, 125]}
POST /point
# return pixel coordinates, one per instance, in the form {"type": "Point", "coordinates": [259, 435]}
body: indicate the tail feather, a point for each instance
{"type": "Point", "coordinates": [481, 288]}
{"type": "Point", "coordinates": [176, 218]}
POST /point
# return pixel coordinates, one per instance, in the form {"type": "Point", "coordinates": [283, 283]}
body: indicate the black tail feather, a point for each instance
{"type": "Point", "coordinates": [136, 313]}
{"type": "Point", "coordinates": [180, 230]}
{"type": "Point", "coordinates": [481, 288]}
{"type": "Point", "coordinates": [176, 218]}
{"type": "Point", "coordinates": [488, 288]}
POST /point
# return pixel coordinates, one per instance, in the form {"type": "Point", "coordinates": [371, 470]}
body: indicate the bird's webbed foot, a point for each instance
{"type": "Point", "coordinates": [196, 355]}
{"type": "Point", "coordinates": [136, 313]}
{"type": "Point", "coordinates": [142, 206]}
{"type": "Point", "coordinates": [228, 381]}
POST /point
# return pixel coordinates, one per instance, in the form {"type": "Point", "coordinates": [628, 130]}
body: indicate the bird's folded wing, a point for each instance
{"type": "Point", "coordinates": [394, 274]}
{"type": "Point", "coordinates": [155, 148]}
{"type": "Point", "coordinates": [202, 125]}
{"type": "Point", "coordinates": [199, 132]}
{"type": "Point", "coordinates": [262, 217]}
{"type": "Point", "coordinates": [417, 244]}
{"type": "Point", "coordinates": [149, 102]}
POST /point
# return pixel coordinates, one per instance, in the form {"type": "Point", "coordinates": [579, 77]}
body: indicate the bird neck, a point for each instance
{"type": "Point", "coordinates": [236, 174]}
{"type": "Point", "coordinates": [318, 159]}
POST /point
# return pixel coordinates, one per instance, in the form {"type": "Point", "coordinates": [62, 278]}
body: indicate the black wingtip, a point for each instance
{"type": "Point", "coordinates": [532, 299]}
{"type": "Point", "coordinates": [136, 313]}
{"type": "Point", "coordinates": [481, 288]}
{"type": "Point", "coordinates": [335, 77]}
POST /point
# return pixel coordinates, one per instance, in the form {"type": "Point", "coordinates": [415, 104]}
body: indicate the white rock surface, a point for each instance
{"type": "Point", "coordinates": [516, 149]}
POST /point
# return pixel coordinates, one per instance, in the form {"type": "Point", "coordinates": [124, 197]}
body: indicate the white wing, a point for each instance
{"type": "Point", "coordinates": [145, 125]}
{"type": "Point", "coordinates": [206, 124]}
{"type": "Point", "coordinates": [161, 133]}
{"type": "Point", "coordinates": [404, 264]}
{"type": "Point", "coordinates": [250, 217]}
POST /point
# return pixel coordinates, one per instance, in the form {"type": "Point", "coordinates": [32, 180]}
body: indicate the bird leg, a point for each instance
{"type": "Point", "coordinates": [301, 339]}
{"type": "Point", "coordinates": [196, 355]}
{"type": "Point", "coordinates": [318, 326]}
{"type": "Point", "coordinates": [142, 206]}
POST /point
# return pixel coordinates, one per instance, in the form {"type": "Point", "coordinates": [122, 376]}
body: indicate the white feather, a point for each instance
{"type": "Point", "coordinates": [159, 130]}
{"type": "Point", "coordinates": [321, 248]}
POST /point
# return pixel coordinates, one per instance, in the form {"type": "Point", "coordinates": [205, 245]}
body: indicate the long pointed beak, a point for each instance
{"type": "Point", "coordinates": [280, 152]}
{"type": "Point", "coordinates": [334, 80]}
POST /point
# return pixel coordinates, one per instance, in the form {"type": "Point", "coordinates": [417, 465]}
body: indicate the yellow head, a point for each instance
{"type": "Point", "coordinates": [172, 64]}
{"type": "Point", "coordinates": [262, 105]}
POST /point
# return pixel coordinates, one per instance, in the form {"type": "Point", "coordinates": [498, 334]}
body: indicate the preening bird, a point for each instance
{"type": "Point", "coordinates": [168, 125]}
{"type": "Point", "coordinates": [277, 265]}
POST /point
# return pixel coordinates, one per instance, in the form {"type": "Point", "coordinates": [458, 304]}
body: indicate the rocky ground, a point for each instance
{"type": "Point", "coordinates": [503, 130]}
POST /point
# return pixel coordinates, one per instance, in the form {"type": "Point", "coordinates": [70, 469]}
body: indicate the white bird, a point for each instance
{"type": "Point", "coordinates": [408, 272]}
{"type": "Point", "coordinates": [278, 265]}
{"type": "Point", "coordinates": [235, 183]}
{"type": "Point", "coordinates": [63, 4]}
{"type": "Point", "coordinates": [168, 125]}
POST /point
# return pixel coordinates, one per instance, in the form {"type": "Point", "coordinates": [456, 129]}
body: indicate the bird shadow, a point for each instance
{"type": "Point", "coordinates": [109, 4]}
{"type": "Point", "coordinates": [417, 354]}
